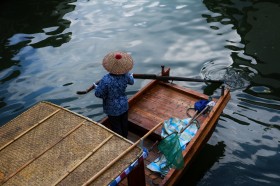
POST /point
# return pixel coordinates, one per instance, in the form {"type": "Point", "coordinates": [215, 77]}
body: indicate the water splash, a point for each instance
{"type": "Point", "coordinates": [234, 78]}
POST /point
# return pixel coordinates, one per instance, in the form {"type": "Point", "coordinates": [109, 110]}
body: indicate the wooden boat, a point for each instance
{"type": "Point", "coordinates": [159, 101]}
{"type": "Point", "coordinates": [50, 145]}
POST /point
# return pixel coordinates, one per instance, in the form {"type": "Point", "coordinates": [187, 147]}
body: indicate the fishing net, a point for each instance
{"type": "Point", "coordinates": [170, 147]}
{"type": "Point", "coordinates": [176, 134]}
{"type": "Point", "coordinates": [234, 78]}
{"type": "Point", "coordinates": [175, 137]}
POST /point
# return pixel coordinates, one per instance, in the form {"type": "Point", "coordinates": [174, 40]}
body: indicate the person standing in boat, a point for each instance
{"type": "Point", "coordinates": [111, 89]}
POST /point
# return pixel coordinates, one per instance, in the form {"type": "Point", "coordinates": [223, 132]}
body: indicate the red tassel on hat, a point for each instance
{"type": "Point", "coordinates": [118, 56]}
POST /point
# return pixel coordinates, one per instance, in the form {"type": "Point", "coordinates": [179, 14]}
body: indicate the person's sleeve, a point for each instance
{"type": "Point", "coordinates": [101, 90]}
{"type": "Point", "coordinates": [130, 78]}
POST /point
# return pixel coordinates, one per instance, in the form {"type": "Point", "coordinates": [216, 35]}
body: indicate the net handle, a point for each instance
{"type": "Point", "coordinates": [194, 118]}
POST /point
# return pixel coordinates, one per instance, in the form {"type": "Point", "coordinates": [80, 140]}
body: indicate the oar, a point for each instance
{"type": "Point", "coordinates": [161, 78]}
{"type": "Point", "coordinates": [173, 78]}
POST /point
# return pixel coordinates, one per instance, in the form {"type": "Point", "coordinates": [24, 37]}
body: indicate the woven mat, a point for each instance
{"type": "Point", "coordinates": [48, 145]}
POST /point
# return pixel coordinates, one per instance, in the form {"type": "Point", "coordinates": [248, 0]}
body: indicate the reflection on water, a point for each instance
{"type": "Point", "coordinates": [253, 145]}
{"type": "Point", "coordinates": [203, 163]}
{"type": "Point", "coordinates": [51, 49]}
{"type": "Point", "coordinates": [25, 27]}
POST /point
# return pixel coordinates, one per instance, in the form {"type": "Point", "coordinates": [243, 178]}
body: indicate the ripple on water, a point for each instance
{"type": "Point", "coordinates": [234, 78]}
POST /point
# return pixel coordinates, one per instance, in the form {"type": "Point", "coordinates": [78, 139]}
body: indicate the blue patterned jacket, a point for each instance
{"type": "Point", "coordinates": [111, 89]}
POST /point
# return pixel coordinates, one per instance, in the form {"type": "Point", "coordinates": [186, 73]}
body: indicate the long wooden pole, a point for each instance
{"type": "Point", "coordinates": [174, 78]}
{"type": "Point", "coordinates": [160, 78]}
{"type": "Point", "coordinates": [120, 156]}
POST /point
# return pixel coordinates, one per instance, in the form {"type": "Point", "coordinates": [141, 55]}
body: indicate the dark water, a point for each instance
{"type": "Point", "coordinates": [51, 49]}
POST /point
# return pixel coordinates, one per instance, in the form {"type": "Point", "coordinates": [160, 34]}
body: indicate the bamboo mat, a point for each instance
{"type": "Point", "coordinates": [50, 145]}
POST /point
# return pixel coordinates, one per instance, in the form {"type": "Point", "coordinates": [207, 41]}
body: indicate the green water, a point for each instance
{"type": "Point", "coordinates": [51, 49]}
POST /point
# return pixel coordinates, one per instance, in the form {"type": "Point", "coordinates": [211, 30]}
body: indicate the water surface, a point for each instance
{"type": "Point", "coordinates": [51, 49]}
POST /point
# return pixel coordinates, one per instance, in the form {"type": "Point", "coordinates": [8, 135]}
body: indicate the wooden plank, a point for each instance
{"type": "Point", "coordinates": [169, 94]}
{"type": "Point", "coordinates": [158, 104]}
{"type": "Point", "coordinates": [162, 101]}
{"type": "Point", "coordinates": [161, 109]}
{"type": "Point", "coordinates": [145, 113]}
{"type": "Point", "coordinates": [137, 175]}
{"type": "Point", "coordinates": [167, 101]}
{"type": "Point", "coordinates": [185, 91]}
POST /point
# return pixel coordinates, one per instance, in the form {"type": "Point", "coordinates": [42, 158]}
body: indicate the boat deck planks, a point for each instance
{"type": "Point", "coordinates": [160, 103]}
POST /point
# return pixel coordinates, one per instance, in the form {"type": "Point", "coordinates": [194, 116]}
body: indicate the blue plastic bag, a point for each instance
{"type": "Point", "coordinates": [200, 105]}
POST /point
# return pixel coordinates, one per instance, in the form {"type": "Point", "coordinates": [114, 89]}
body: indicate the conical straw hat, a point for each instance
{"type": "Point", "coordinates": [118, 62]}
